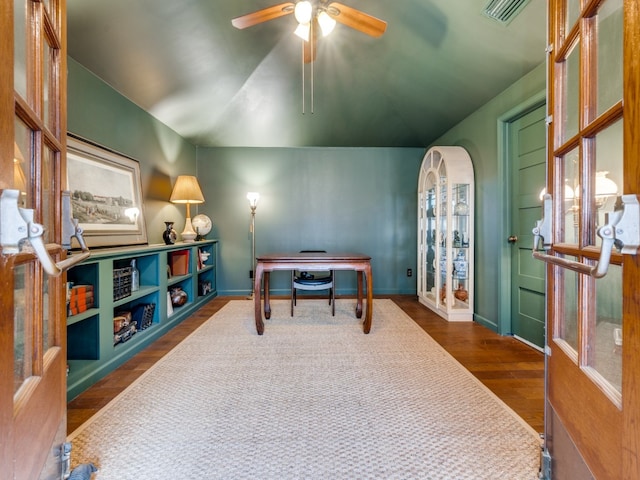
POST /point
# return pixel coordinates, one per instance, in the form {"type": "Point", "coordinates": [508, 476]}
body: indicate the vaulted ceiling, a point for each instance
{"type": "Point", "coordinates": [183, 62]}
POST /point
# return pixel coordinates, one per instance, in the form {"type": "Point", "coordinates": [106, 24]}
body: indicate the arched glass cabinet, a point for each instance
{"type": "Point", "coordinates": [445, 233]}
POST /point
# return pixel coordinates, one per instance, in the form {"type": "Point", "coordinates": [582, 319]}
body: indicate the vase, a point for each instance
{"type": "Point", "coordinates": [169, 236]}
{"type": "Point", "coordinates": [461, 208]}
{"type": "Point", "coordinates": [178, 297]}
{"type": "Point", "coordinates": [443, 293]}
{"type": "Point", "coordinates": [461, 293]}
{"type": "Point", "coordinates": [460, 265]}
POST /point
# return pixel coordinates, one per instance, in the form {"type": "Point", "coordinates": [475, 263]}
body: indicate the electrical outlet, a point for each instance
{"type": "Point", "coordinates": [250, 273]}
{"type": "Point", "coordinates": [409, 272]}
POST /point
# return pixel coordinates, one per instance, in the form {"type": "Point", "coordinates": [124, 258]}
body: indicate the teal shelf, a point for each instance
{"type": "Point", "coordinates": [91, 352]}
{"type": "Point", "coordinates": [82, 316]}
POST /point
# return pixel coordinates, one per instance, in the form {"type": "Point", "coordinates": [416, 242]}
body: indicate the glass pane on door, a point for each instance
{"type": "Point", "coordinates": [571, 197]}
{"type": "Point", "coordinates": [48, 187]}
{"type": "Point", "coordinates": [20, 47]}
{"type": "Point", "coordinates": [573, 12]}
{"type": "Point", "coordinates": [607, 357]}
{"type": "Point", "coordinates": [609, 177]}
{"type": "Point", "coordinates": [48, 314]}
{"type": "Point", "coordinates": [22, 328]}
{"type": "Point", "coordinates": [571, 99]}
{"type": "Point", "coordinates": [609, 54]}
{"type": "Point", "coordinates": [46, 84]}
{"type": "Point", "coordinates": [22, 163]}
{"type": "Point", "coordinates": [567, 326]}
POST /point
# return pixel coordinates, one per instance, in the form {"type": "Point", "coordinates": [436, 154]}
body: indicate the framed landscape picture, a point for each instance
{"type": "Point", "coordinates": [106, 195]}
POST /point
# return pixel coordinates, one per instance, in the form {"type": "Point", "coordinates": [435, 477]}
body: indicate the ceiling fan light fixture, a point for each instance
{"type": "Point", "coordinates": [327, 24]}
{"type": "Point", "coordinates": [303, 30]}
{"type": "Point", "coordinates": [303, 12]}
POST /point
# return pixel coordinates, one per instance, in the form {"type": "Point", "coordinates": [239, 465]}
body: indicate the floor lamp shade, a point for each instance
{"type": "Point", "coordinates": [187, 190]}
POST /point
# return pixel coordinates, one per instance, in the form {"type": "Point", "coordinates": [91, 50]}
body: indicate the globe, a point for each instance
{"type": "Point", "coordinates": [201, 224]}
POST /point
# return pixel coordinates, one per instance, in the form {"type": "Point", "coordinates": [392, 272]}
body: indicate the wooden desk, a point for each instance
{"type": "Point", "coordinates": [312, 261]}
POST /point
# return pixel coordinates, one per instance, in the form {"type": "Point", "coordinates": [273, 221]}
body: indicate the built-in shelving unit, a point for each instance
{"type": "Point", "coordinates": [93, 349]}
{"type": "Point", "coordinates": [445, 233]}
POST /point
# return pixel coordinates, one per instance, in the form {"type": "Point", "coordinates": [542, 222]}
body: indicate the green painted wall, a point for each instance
{"type": "Point", "coordinates": [478, 133]}
{"type": "Point", "coordinates": [335, 199]}
{"type": "Point", "coordinates": [360, 199]}
{"type": "Point", "coordinates": [98, 113]}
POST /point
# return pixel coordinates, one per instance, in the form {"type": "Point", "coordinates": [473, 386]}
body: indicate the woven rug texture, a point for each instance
{"type": "Point", "coordinates": [313, 398]}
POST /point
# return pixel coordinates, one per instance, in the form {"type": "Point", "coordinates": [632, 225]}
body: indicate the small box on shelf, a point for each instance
{"type": "Point", "coordinates": [179, 262]}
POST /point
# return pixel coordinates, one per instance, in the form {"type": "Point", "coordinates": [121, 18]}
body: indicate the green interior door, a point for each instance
{"type": "Point", "coordinates": [527, 159]}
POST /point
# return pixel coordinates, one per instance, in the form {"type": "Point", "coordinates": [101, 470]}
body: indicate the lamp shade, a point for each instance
{"type": "Point", "coordinates": [303, 30]}
{"type": "Point", "coordinates": [186, 190]}
{"type": "Point", "coordinates": [327, 24]}
{"type": "Point", "coordinates": [303, 11]}
{"type": "Point", "coordinates": [253, 198]}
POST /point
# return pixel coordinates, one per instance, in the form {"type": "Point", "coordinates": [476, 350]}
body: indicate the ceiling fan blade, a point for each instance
{"type": "Point", "coordinates": [356, 19]}
{"type": "Point", "coordinates": [264, 15]}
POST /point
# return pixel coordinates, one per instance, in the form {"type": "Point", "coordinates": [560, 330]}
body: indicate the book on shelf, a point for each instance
{"type": "Point", "coordinates": [80, 299]}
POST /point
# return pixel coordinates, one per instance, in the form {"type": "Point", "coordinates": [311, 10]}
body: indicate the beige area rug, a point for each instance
{"type": "Point", "coordinates": [313, 398]}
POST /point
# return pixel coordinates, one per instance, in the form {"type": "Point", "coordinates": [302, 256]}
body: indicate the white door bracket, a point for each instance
{"type": "Point", "coordinates": [621, 229]}
{"type": "Point", "coordinates": [18, 230]}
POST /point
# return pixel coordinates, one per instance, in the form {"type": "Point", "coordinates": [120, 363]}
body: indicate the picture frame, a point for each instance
{"type": "Point", "coordinates": [106, 195]}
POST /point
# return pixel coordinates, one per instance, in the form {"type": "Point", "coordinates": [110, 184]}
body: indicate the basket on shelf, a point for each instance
{"type": "Point", "coordinates": [142, 315]}
{"type": "Point", "coordinates": [121, 283]}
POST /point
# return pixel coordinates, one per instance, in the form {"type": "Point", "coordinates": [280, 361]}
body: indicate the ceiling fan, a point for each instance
{"type": "Point", "coordinates": [313, 17]}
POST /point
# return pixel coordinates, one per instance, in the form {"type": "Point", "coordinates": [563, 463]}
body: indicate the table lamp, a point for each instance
{"type": "Point", "coordinates": [187, 190]}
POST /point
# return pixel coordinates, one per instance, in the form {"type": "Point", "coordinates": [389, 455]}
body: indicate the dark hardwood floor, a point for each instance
{"type": "Point", "coordinates": [509, 368]}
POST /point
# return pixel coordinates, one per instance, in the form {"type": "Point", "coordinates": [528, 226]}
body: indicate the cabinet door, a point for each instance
{"type": "Point", "coordinates": [460, 243]}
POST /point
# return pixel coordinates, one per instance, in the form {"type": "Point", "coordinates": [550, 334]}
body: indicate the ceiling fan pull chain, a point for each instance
{"type": "Point", "coordinates": [312, 62]}
{"type": "Point", "coordinates": [302, 63]}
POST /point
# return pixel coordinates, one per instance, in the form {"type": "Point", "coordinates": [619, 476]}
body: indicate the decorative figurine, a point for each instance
{"type": "Point", "coordinates": [456, 239]}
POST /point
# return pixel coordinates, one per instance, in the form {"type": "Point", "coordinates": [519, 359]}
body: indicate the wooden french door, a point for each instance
{"type": "Point", "coordinates": [32, 303]}
{"type": "Point", "coordinates": [593, 340]}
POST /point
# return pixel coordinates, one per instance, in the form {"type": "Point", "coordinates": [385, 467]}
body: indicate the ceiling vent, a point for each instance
{"type": "Point", "coordinates": [503, 11]}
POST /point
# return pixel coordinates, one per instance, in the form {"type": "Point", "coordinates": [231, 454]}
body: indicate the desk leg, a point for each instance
{"type": "Point", "coordinates": [267, 300]}
{"type": "Point", "coordinates": [256, 299]}
{"type": "Point", "coordinates": [369, 315]}
{"type": "Point", "coordinates": [359, 295]}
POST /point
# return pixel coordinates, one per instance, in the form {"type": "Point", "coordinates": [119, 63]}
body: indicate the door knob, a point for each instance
{"type": "Point", "coordinates": [512, 239]}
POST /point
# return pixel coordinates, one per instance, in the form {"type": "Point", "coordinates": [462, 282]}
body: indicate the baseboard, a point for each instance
{"type": "Point", "coordinates": [485, 322]}
{"type": "Point", "coordinates": [339, 293]}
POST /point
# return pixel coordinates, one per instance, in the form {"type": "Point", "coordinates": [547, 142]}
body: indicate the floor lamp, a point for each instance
{"type": "Point", "coordinates": [253, 198]}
